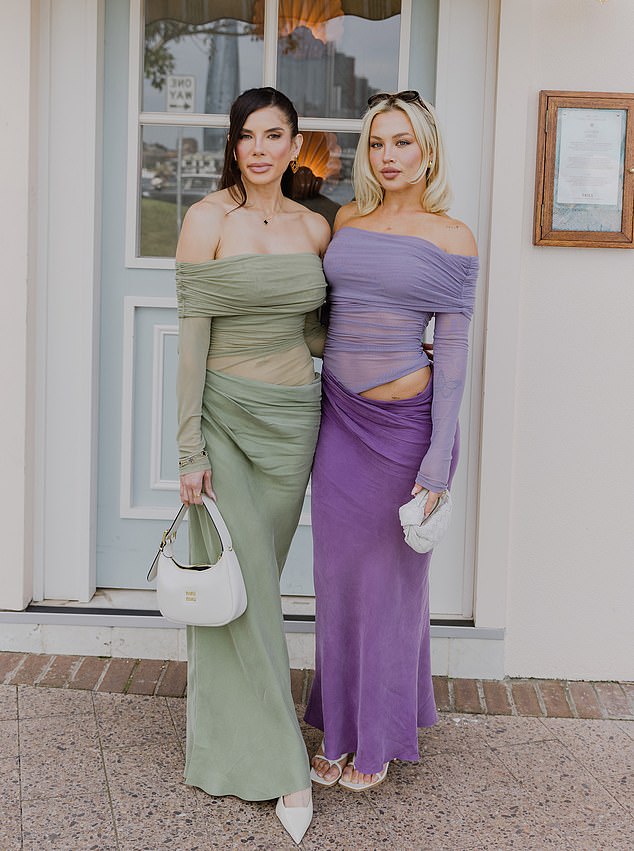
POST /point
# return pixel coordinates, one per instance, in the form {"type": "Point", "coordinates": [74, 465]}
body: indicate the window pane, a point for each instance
{"type": "Point", "coordinates": [217, 44]}
{"type": "Point", "coordinates": [332, 54]}
{"type": "Point", "coordinates": [167, 190]}
{"type": "Point", "coordinates": [329, 156]}
{"type": "Point", "coordinates": [423, 48]}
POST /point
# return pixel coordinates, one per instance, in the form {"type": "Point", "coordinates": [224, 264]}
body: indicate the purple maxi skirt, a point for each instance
{"type": "Point", "coordinates": [372, 687]}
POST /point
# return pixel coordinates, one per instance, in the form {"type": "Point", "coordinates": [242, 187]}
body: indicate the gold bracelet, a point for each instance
{"type": "Point", "coordinates": [191, 459]}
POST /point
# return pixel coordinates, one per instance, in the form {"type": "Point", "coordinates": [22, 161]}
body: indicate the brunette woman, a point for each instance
{"type": "Point", "coordinates": [249, 281]}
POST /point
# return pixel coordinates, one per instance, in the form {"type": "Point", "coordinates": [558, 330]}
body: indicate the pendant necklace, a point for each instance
{"type": "Point", "coordinates": [266, 219]}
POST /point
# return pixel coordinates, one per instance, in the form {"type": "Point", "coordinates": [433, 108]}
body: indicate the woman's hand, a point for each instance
{"type": "Point", "coordinates": [432, 498]}
{"type": "Point", "coordinates": [192, 486]}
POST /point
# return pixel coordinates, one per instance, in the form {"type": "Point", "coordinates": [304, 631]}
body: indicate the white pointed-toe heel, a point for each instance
{"type": "Point", "coordinates": [295, 820]}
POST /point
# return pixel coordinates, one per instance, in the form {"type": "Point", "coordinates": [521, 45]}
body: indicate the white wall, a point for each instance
{"type": "Point", "coordinates": [68, 342]}
{"type": "Point", "coordinates": [17, 184]}
{"type": "Point", "coordinates": [570, 604]}
{"type": "Point", "coordinates": [50, 137]}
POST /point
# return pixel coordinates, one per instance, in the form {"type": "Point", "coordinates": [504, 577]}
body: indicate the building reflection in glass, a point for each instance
{"type": "Point", "coordinates": [331, 55]}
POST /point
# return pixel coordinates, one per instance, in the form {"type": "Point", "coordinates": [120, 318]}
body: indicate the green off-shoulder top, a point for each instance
{"type": "Point", "coordinates": [254, 316]}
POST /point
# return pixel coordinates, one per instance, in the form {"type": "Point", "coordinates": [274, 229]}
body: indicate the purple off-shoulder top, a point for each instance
{"type": "Point", "coordinates": [384, 289]}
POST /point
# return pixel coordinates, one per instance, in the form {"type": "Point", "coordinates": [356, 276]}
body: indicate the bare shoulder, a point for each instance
{"type": "Point", "coordinates": [457, 237]}
{"type": "Point", "coordinates": [202, 227]}
{"type": "Point", "coordinates": [213, 207]}
{"type": "Point", "coordinates": [345, 214]}
{"type": "Point", "coordinates": [318, 228]}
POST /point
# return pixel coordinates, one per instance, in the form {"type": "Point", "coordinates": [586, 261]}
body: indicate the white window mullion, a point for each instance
{"type": "Point", "coordinates": [271, 11]}
{"type": "Point", "coordinates": [135, 83]}
{"type": "Point", "coordinates": [334, 125]}
{"type": "Point", "coordinates": [171, 119]}
{"type": "Point", "coordinates": [182, 119]}
{"type": "Point", "coordinates": [404, 41]}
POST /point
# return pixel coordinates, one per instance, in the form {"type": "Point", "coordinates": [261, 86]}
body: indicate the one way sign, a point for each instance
{"type": "Point", "coordinates": [180, 93]}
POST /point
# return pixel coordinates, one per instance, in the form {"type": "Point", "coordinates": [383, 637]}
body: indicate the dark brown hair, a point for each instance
{"type": "Point", "coordinates": [242, 107]}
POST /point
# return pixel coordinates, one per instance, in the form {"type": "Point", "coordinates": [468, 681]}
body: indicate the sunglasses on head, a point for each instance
{"type": "Point", "coordinates": [408, 96]}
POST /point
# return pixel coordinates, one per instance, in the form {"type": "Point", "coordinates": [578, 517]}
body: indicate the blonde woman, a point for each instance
{"type": "Point", "coordinates": [389, 429]}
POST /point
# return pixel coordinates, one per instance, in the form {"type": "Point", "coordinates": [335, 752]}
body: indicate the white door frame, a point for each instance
{"type": "Point", "coordinates": [19, 118]}
{"type": "Point", "coordinates": [465, 95]}
{"type": "Point", "coordinates": [68, 248]}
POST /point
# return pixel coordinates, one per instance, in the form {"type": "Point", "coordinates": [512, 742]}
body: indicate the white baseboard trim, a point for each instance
{"type": "Point", "coordinates": [457, 651]}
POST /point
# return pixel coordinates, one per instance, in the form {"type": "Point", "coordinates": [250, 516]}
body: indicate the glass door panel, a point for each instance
{"type": "Point", "coordinates": [179, 166]}
{"type": "Point", "coordinates": [324, 181]}
{"type": "Point", "coordinates": [220, 46]}
{"type": "Point", "coordinates": [332, 55]}
{"type": "Point", "coordinates": [423, 48]}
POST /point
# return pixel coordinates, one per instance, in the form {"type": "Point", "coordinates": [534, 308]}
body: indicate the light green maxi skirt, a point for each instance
{"type": "Point", "coordinates": [243, 738]}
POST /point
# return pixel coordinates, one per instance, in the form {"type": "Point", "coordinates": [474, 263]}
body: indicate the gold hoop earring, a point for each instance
{"type": "Point", "coordinates": [294, 165]}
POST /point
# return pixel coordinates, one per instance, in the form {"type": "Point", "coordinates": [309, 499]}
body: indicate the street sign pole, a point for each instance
{"type": "Point", "coordinates": [181, 90]}
{"type": "Point", "coordinates": [179, 181]}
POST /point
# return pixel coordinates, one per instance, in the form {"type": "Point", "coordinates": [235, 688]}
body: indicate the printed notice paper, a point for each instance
{"type": "Point", "coordinates": [590, 148]}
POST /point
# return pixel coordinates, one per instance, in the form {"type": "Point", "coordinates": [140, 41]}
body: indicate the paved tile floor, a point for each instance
{"type": "Point", "coordinates": [91, 770]}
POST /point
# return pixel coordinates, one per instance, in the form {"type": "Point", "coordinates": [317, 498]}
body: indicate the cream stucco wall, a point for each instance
{"type": "Point", "coordinates": [18, 115]}
{"type": "Point", "coordinates": [570, 592]}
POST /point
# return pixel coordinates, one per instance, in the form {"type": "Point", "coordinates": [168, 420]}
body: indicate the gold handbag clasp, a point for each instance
{"type": "Point", "coordinates": [168, 538]}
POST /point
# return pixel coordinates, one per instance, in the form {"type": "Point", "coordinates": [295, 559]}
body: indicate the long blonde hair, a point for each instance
{"type": "Point", "coordinates": [436, 193]}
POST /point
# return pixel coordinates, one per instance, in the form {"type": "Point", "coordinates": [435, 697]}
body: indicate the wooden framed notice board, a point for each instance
{"type": "Point", "coordinates": [584, 186]}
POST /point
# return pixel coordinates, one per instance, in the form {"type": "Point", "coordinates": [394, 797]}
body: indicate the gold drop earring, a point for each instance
{"type": "Point", "coordinates": [294, 165]}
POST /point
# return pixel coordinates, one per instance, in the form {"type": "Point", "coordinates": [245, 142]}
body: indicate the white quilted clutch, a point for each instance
{"type": "Point", "coordinates": [423, 533]}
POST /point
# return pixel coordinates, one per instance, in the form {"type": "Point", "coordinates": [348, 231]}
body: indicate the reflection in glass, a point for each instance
{"type": "Point", "coordinates": [324, 179]}
{"type": "Point", "coordinates": [423, 48]}
{"type": "Point", "coordinates": [179, 169]}
{"type": "Point", "coordinates": [333, 54]}
{"type": "Point", "coordinates": [219, 44]}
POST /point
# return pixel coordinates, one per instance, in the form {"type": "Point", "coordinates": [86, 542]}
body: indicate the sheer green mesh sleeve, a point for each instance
{"type": "Point", "coordinates": [193, 347]}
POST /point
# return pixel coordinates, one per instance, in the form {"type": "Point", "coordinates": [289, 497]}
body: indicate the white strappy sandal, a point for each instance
{"type": "Point", "coordinates": [363, 787]}
{"type": "Point", "coordinates": [318, 779]}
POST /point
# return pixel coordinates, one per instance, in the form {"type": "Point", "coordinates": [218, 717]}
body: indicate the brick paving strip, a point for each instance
{"type": "Point", "coordinates": [524, 697]}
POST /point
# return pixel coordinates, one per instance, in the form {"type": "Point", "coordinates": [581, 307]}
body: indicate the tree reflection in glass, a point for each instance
{"type": "Point", "coordinates": [331, 55]}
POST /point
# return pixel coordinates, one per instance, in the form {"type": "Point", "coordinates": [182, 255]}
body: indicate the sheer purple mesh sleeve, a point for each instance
{"type": "Point", "coordinates": [451, 347]}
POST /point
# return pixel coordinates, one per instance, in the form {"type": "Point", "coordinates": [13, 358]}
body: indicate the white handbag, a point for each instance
{"type": "Point", "coordinates": [199, 594]}
{"type": "Point", "coordinates": [420, 532]}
